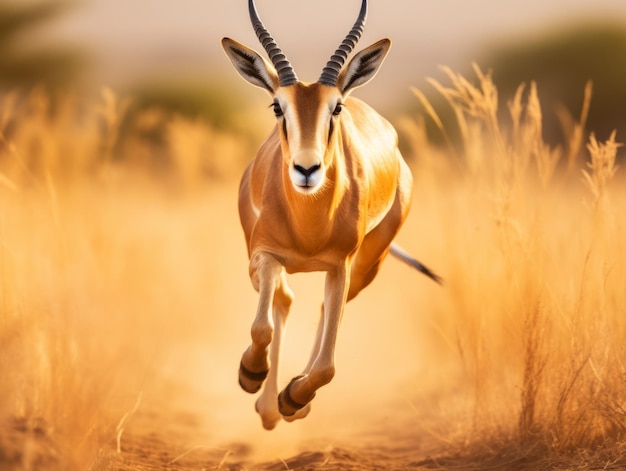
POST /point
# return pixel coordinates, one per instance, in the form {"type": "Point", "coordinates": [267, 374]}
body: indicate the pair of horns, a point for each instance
{"type": "Point", "coordinates": [285, 71]}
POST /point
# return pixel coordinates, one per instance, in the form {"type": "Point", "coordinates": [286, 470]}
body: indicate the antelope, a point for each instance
{"type": "Point", "coordinates": [327, 191]}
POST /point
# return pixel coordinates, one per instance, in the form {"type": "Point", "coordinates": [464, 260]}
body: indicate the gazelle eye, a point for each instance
{"type": "Point", "coordinates": [338, 109]}
{"type": "Point", "coordinates": [278, 111]}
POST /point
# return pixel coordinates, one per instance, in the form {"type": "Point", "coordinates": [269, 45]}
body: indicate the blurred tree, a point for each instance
{"type": "Point", "coordinates": [211, 100]}
{"type": "Point", "coordinates": [561, 62]}
{"type": "Point", "coordinates": [22, 64]}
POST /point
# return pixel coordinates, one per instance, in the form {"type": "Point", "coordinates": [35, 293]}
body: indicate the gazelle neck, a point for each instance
{"type": "Point", "coordinates": [311, 216]}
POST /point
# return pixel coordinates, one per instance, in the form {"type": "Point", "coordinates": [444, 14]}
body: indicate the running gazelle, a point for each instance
{"type": "Point", "coordinates": [327, 191]}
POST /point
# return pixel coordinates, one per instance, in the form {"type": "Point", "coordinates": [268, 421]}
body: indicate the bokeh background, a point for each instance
{"type": "Point", "coordinates": [125, 301]}
{"type": "Point", "coordinates": [169, 52]}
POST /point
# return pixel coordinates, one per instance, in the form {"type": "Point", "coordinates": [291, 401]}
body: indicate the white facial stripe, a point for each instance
{"type": "Point", "coordinates": [307, 128]}
{"type": "Point", "coordinates": [307, 113]}
{"type": "Point", "coordinates": [294, 132]}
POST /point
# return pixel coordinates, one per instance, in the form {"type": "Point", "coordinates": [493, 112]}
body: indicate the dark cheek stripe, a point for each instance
{"type": "Point", "coordinates": [285, 127]}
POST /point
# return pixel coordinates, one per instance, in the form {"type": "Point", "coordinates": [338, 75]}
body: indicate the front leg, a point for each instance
{"type": "Point", "coordinates": [267, 404]}
{"type": "Point", "coordinates": [265, 273]}
{"type": "Point", "coordinates": [301, 390]}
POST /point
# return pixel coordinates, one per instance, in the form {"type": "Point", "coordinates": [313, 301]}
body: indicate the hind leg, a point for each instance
{"type": "Point", "coordinates": [376, 245]}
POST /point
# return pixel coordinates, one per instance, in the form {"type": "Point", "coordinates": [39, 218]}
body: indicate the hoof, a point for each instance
{"type": "Point", "coordinates": [250, 381]}
{"type": "Point", "coordinates": [300, 414]}
{"type": "Point", "coordinates": [286, 403]}
{"type": "Point", "coordinates": [269, 418]}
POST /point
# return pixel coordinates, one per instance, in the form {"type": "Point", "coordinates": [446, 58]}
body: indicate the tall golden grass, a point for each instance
{"type": "Point", "coordinates": [103, 259]}
{"type": "Point", "coordinates": [534, 243]}
{"type": "Point", "coordinates": [112, 248]}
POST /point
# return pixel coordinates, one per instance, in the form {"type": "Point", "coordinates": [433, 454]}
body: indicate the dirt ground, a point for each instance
{"type": "Point", "coordinates": [180, 440]}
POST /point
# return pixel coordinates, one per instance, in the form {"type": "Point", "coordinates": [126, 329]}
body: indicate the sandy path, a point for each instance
{"type": "Point", "coordinates": [177, 436]}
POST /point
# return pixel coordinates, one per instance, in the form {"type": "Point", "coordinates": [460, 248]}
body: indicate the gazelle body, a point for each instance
{"type": "Point", "coordinates": [327, 191]}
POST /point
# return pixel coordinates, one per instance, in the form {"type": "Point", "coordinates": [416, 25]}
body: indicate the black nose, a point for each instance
{"type": "Point", "coordinates": [307, 172]}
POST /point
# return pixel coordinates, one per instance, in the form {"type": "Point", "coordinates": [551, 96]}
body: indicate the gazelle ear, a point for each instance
{"type": "Point", "coordinates": [363, 66]}
{"type": "Point", "coordinates": [251, 66]}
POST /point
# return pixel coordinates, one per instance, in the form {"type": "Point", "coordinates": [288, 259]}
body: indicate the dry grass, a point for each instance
{"type": "Point", "coordinates": [535, 268]}
{"type": "Point", "coordinates": [114, 252]}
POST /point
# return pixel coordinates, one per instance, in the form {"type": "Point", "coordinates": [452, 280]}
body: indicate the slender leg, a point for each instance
{"type": "Point", "coordinates": [316, 343]}
{"type": "Point", "coordinates": [301, 390]}
{"type": "Point", "coordinates": [267, 404]}
{"type": "Point", "coordinates": [265, 274]}
{"type": "Point", "coordinates": [302, 413]}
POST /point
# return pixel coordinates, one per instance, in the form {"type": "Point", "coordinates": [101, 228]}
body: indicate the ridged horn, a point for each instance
{"type": "Point", "coordinates": [285, 71]}
{"type": "Point", "coordinates": [333, 67]}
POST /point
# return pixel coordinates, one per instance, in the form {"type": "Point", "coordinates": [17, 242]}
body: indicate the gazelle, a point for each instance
{"type": "Point", "coordinates": [327, 191]}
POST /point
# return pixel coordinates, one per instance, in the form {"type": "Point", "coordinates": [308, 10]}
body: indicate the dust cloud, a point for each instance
{"type": "Point", "coordinates": [380, 355]}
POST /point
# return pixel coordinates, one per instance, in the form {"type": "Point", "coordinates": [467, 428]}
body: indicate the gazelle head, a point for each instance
{"type": "Point", "coordinates": [307, 114]}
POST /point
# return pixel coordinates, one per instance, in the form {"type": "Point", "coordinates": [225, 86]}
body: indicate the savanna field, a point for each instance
{"type": "Point", "coordinates": [125, 301]}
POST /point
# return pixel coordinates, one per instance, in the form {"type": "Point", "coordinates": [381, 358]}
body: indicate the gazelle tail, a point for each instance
{"type": "Point", "coordinates": [404, 256]}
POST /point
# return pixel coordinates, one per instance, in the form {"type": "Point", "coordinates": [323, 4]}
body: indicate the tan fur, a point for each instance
{"type": "Point", "coordinates": [327, 191]}
{"type": "Point", "coordinates": [367, 180]}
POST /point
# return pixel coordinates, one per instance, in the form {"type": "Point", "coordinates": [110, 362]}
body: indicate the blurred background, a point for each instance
{"type": "Point", "coordinates": [168, 53]}
{"type": "Point", "coordinates": [125, 301]}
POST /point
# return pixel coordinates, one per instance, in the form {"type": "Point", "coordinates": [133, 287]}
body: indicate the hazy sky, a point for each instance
{"type": "Point", "coordinates": [130, 38]}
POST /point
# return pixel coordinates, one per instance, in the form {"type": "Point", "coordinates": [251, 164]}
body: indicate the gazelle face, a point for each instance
{"type": "Point", "coordinates": [307, 118]}
{"type": "Point", "coordinates": [307, 114]}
